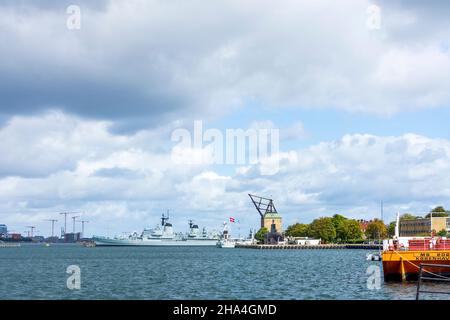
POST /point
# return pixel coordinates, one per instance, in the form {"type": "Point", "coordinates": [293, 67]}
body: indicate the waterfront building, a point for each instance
{"type": "Point", "coordinates": [304, 241]}
{"type": "Point", "coordinates": [272, 220]}
{"type": "Point", "coordinates": [3, 230]}
{"type": "Point", "coordinates": [72, 237]}
{"type": "Point", "coordinates": [268, 213]}
{"type": "Point", "coordinates": [423, 226]}
{"type": "Point", "coordinates": [363, 224]}
{"type": "Point", "coordinates": [52, 239]}
{"type": "Point", "coordinates": [14, 236]}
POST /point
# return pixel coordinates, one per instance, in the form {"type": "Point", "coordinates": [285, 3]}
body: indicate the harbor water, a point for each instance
{"type": "Point", "coordinates": [39, 272]}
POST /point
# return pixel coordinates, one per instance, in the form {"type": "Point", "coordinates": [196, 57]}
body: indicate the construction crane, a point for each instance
{"type": "Point", "coordinates": [82, 227]}
{"type": "Point", "coordinates": [270, 218]}
{"type": "Point", "coordinates": [32, 229]}
{"type": "Point", "coordinates": [65, 219]}
{"type": "Point", "coordinates": [74, 220]}
{"type": "Point", "coordinates": [53, 225]}
{"type": "Point", "coordinates": [263, 206]}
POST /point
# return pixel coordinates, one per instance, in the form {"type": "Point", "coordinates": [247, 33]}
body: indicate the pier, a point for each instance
{"type": "Point", "coordinates": [9, 245]}
{"type": "Point", "coordinates": [316, 247]}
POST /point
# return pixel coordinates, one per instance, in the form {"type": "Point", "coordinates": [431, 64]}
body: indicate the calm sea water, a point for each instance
{"type": "Point", "coordinates": [38, 272]}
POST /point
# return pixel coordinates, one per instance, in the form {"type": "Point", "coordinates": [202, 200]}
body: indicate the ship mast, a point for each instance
{"type": "Point", "coordinates": [397, 225]}
{"type": "Point", "coordinates": [164, 218]}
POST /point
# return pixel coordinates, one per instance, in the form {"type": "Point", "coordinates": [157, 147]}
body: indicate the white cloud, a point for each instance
{"type": "Point", "coordinates": [205, 191]}
{"type": "Point", "coordinates": [358, 171]}
{"type": "Point", "coordinates": [38, 146]}
{"type": "Point", "coordinates": [121, 184]}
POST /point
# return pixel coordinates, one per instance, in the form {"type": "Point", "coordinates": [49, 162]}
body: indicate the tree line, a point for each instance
{"type": "Point", "coordinates": [333, 229]}
{"type": "Point", "coordinates": [336, 229]}
{"type": "Point", "coordinates": [339, 229]}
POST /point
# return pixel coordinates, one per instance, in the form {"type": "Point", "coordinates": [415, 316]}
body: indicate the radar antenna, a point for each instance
{"type": "Point", "coordinates": [164, 218]}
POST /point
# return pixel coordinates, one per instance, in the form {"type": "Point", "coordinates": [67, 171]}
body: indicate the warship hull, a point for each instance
{"type": "Point", "coordinates": [155, 242]}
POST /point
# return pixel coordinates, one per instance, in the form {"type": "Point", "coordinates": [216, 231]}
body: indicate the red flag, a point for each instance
{"type": "Point", "coordinates": [231, 219]}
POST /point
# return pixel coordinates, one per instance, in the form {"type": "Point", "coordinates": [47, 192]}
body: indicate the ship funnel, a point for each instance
{"type": "Point", "coordinates": [168, 229]}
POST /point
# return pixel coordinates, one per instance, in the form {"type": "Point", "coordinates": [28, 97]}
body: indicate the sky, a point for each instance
{"type": "Point", "coordinates": [359, 91]}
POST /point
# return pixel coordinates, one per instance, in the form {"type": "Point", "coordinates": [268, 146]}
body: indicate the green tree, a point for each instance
{"type": "Point", "coordinates": [338, 220]}
{"type": "Point", "coordinates": [261, 234]}
{"type": "Point", "coordinates": [408, 216]}
{"type": "Point", "coordinates": [439, 209]}
{"type": "Point", "coordinates": [297, 230]}
{"type": "Point", "coordinates": [376, 229]}
{"type": "Point", "coordinates": [342, 231]}
{"type": "Point", "coordinates": [324, 229]}
{"type": "Point", "coordinates": [438, 212]}
{"type": "Point", "coordinates": [442, 233]}
{"type": "Point", "coordinates": [391, 229]}
{"type": "Point", "coordinates": [340, 226]}
{"type": "Point", "coordinates": [350, 230]}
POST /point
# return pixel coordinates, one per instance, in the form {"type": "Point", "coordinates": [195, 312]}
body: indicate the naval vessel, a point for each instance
{"type": "Point", "coordinates": [162, 235]}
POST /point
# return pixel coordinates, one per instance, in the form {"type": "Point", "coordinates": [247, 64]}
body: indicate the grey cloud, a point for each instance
{"type": "Point", "coordinates": [86, 97]}
{"type": "Point", "coordinates": [416, 22]}
{"type": "Point", "coordinates": [122, 75]}
{"type": "Point", "coordinates": [436, 7]}
{"type": "Point", "coordinates": [143, 63]}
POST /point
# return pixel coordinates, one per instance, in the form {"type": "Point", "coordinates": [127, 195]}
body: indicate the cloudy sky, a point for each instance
{"type": "Point", "coordinates": [87, 115]}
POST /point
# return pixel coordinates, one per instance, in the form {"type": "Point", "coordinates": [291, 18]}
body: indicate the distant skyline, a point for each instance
{"type": "Point", "coordinates": [86, 115]}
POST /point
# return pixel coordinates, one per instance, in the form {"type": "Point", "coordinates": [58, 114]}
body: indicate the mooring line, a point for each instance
{"type": "Point", "coordinates": [423, 270]}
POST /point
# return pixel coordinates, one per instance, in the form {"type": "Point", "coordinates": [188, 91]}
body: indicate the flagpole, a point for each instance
{"type": "Point", "coordinates": [233, 220]}
{"type": "Point", "coordinates": [239, 230]}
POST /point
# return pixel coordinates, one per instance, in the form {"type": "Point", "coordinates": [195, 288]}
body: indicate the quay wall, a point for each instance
{"type": "Point", "coordinates": [317, 247]}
